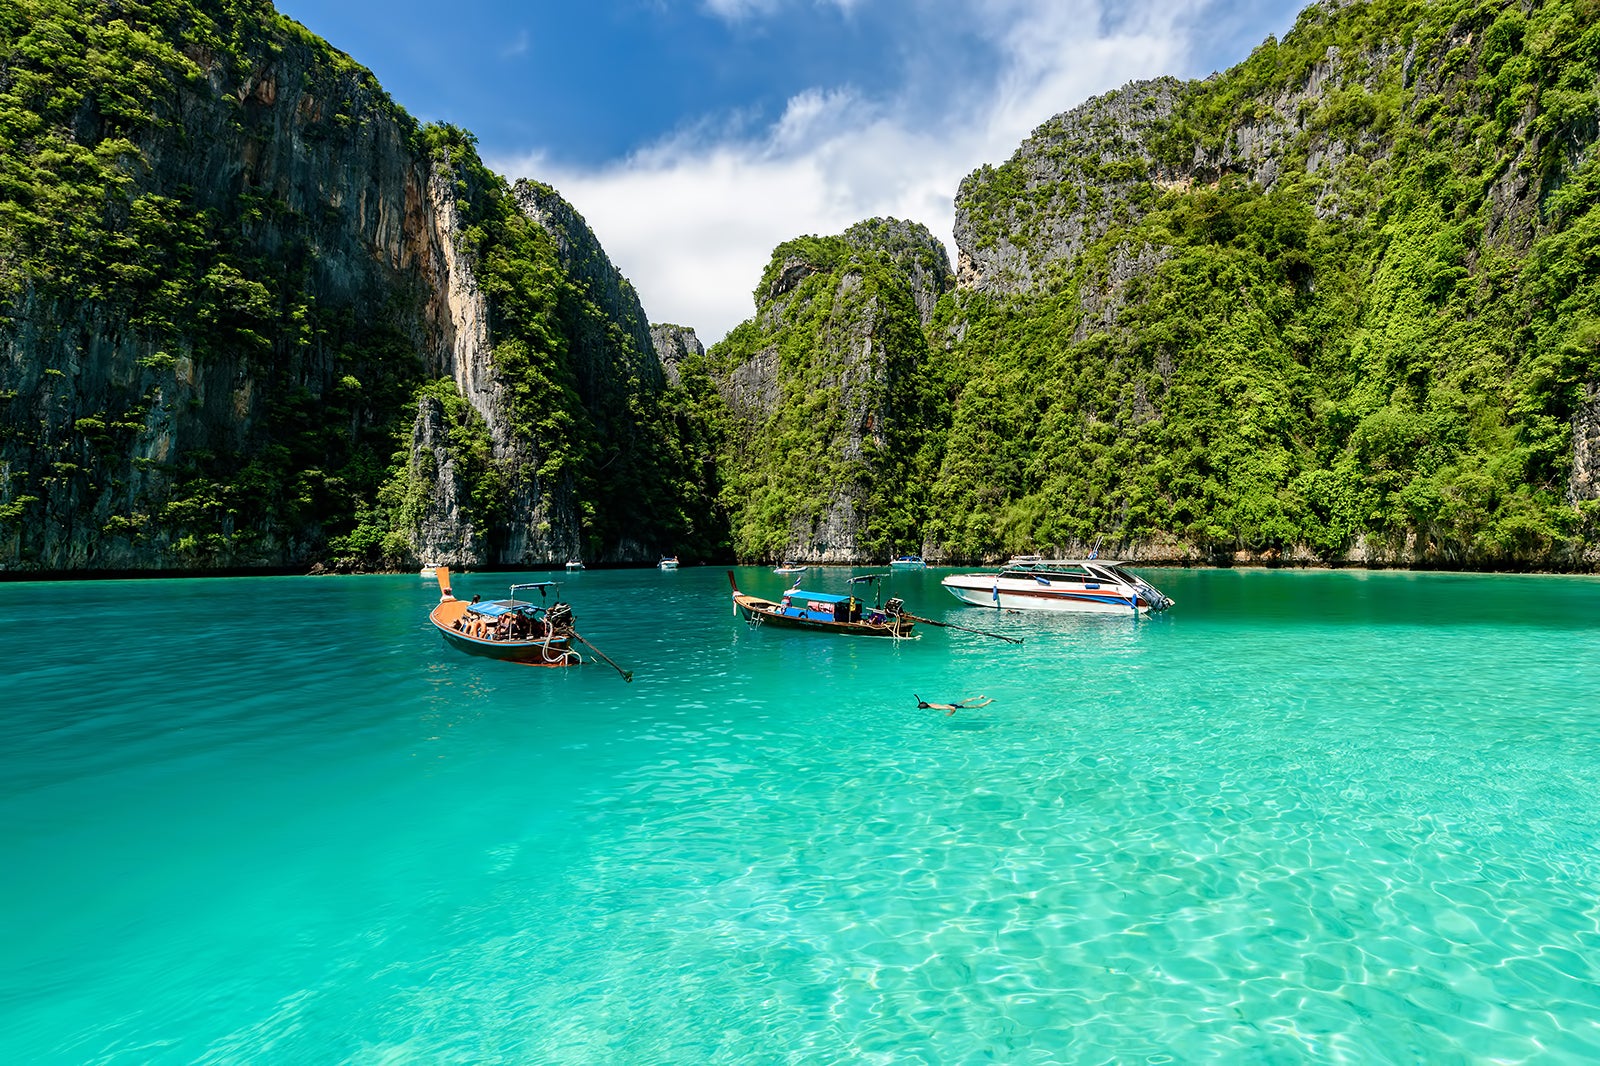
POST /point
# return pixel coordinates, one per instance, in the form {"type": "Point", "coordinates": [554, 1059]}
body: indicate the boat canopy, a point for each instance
{"type": "Point", "coordinates": [820, 597]}
{"type": "Point", "coordinates": [499, 607]}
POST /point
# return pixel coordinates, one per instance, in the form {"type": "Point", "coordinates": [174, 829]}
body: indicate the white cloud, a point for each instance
{"type": "Point", "coordinates": [517, 47]}
{"type": "Point", "coordinates": [737, 10]}
{"type": "Point", "coordinates": [693, 219]}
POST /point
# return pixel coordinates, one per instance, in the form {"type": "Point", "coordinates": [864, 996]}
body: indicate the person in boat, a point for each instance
{"type": "Point", "coordinates": [951, 708]}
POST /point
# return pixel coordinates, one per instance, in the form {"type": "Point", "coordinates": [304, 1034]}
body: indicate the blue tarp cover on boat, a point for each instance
{"type": "Point", "coordinates": [499, 607]}
{"type": "Point", "coordinates": [820, 597]}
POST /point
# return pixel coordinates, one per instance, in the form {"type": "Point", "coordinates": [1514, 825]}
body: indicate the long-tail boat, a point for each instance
{"type": "Point", "coordinates": [823, 612]}
{"type": "Point", "coordinates": [511, 630]}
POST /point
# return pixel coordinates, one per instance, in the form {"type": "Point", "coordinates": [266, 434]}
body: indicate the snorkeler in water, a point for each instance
{"type": "Point", "coordinates": [951, 708]}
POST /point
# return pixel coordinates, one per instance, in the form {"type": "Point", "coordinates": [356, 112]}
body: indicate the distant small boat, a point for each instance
{"type": "Point", "coordinates": [574, 564]}
{"type": "Point", "coordinates": [511, 630]}
{"type": "Point", "coordinates": [429, 572]}
{"type": "Point", "coordinates": [822, 612]}
{"type": "Point", "coordinates": [790, 568]}
{"type": "Point", "coordinates": [908, 562]}
{"type": "Point", "coordinates": [668, 562]}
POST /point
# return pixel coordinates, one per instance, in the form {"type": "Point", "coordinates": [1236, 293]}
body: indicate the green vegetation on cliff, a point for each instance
{"type": "Point", "coordinates": [220, 288]}
{"type": "Point", "coordinates": [611, 443]}
{"type": "Point", "coordinates": [1340, 301]}
{"type": "Point", "coordinates": [1389, 344]}
{"type": "Point", "coordinates": [832, 421]}
{"type": "Point", "coordinates": [129, 264]}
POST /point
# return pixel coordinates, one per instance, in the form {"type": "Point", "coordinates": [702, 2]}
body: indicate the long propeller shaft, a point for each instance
{"type": "Point", "coordinates": [964, 629]}
{"type": "Point", "coordinates": [627, 675]}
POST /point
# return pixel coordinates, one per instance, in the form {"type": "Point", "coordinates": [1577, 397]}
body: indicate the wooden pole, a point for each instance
{"type": "Point", "coordinates": [627, 675]}
{"type": "Point", "coordinates": [964, 629]}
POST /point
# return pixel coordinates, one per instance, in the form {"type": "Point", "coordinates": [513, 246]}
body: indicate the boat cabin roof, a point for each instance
{"type": "Point", "coordinates": [1062, 566]}
{"type": "Point", "coordinates": [820, 597]}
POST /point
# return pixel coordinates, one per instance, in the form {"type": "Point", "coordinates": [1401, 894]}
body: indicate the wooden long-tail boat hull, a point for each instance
{"type": "Point", "coordinates": [766, 612]}
{"type": "Point", "coordinates": [551, 650]}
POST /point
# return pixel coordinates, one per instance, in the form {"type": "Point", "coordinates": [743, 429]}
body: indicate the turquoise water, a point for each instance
{"type": "Point", "coordinates": [1302, 817]}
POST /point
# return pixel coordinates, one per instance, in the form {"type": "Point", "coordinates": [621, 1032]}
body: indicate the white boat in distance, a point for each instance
{"type": "Point", "coordinates": [1090, 586]}
{"type": "Point", "coordinates": [790, 568]}
{"type": "Point", "coordinates": [668, 562]}
{"type": "Point", "coordinates": [574, 564]}
{"type": "Point", "coordinates": [908, 562]}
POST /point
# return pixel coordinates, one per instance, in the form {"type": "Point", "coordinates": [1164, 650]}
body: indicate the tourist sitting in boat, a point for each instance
{"type": "Point", "coordinates": [952, 708]}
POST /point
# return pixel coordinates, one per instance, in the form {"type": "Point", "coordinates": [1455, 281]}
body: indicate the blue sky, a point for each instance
{"type": "Point", "coordinates": [695, 136]}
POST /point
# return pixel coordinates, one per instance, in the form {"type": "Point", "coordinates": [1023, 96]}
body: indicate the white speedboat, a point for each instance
{"type": "Point", "coordinates": [668, 562]}
{"type": "Point", "coordinates": [790, 568]}
{"type": "Point", "coordinates": [1091, 586]}
{"type": "Point", "coordinates": [574, 564]}
{"type": "Point", "coordinates": [908, 562]}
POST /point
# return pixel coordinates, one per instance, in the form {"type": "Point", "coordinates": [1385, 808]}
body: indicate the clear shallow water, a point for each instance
{"type": "Point", "coordinates": [1303, 817]}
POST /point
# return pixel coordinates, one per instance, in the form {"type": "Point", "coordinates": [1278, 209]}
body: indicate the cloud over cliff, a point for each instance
{"type": "Point", "coordinates": [692, 218]}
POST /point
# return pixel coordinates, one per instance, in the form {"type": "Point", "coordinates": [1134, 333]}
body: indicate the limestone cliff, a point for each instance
{"type": "Point", "coordinates": [828, 403]}
{"type": "Point", "coordinates": [217, 364]}
{"type": "Point", "coordinates": [1298, 310]}
{"type": "Point", "coordinates": [290, 198]}
{"type": "Point", "coordinates": [673, 345]}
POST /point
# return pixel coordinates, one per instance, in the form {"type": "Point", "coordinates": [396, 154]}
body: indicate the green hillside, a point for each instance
{"type": "Point", "coordinates": [1380, 356]}
{"type": "Point", "coordinates": [231, 269]}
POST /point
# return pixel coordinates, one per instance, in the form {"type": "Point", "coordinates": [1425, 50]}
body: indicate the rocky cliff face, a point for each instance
{"type": "Point", "coordinates": [1061, 190]}
{"type": "Point", "coordinates": [303, 196]}
{"type": "Point", "coordinates": [673, 345]}
{"type": "Point", "coordinates": [1584, 484]}
{"type": "Point", "coordinates": [1354, 235]}
{"type": "Point", "coordinates": [824, 390]}
{"type": "Point", "coordinates": [286, 267]}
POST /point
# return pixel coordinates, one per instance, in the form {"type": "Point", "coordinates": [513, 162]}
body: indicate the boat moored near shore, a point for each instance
{"type": "Point", "coordinates": [513, 630]}
{"type": "Point", "coordinates": [510, 630]}
{"type": "Point", "coordinates": [1087, 586]}
{"type": "Point", "coordinates": [822, 612]}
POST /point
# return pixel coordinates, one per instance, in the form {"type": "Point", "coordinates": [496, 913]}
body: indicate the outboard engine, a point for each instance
{"type": "Point", "coordinates": [894, 606]}
{"type": "Point", "coordinates": [1158, 602]}
{"type": "Point", "coordinates": [559, 617]}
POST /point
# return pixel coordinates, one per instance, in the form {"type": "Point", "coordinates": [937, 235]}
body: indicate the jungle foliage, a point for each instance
{"type": "Point", "coordinates": [90, 94]}
{"type": "Point", "coordinates": [1381, 352]}
{"type": "Point", "coordinates": [832, 429]}
{"type": "Point", "coordinates": [613, 443]}
{"type": "Point", "coordinates": [108, 227]}
{"type": "Point", "coordinates": [1378, 347]}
